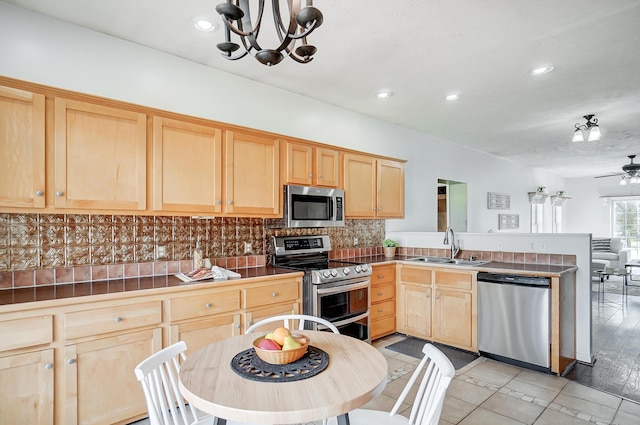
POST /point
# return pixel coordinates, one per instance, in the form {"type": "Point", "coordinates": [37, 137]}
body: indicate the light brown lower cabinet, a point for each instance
{"type": "Point", "coordinates": [72, 361]}
{"type": "Point", "coordinates": [383, 300]}
{"type": "Point", "coordinates": [26, 388]}
{"type": "Point", "coordinates": [437, 305]}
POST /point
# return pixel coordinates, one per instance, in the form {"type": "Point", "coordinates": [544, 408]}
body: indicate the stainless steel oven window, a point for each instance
{"type": "Point", "coordinates": [336, 303]}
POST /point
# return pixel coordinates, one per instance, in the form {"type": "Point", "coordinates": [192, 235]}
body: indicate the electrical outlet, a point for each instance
{"type": "Point", "coordinates": [247, 248]}
{"type": "Point", "coordinates": [355, 241]}
{"type": "Point", "coordinates": [532, 246]}
{"type": "Point", "coordinates": [161, 252]}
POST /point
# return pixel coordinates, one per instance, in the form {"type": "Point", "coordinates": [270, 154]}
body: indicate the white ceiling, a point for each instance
{"type": "Point", "coordinates": [423, 50]}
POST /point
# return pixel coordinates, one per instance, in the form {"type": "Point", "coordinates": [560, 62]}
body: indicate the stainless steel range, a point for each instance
{"type": "Point", "coordinates": [337, 291]}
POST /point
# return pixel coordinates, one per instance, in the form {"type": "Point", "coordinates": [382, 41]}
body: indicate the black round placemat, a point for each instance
{"type": "Point", "coordinates": [248, 365]}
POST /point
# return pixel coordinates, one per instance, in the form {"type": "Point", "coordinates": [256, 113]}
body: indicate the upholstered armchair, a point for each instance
{"type": "Point", "coordinates": [610, 249]}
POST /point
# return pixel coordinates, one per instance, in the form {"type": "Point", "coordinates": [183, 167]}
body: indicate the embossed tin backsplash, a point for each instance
{"type": "Point", "coordinates": [41, 241]}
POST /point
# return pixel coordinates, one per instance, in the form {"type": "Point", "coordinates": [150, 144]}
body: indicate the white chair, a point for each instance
{"type": "Point", "coordinates": [288, 320]}
{"type": "Point", "coordinates": [158, 375]}
{"type": "Point", "coordinates": [427, 405]}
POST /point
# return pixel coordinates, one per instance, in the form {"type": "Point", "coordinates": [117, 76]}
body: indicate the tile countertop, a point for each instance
{"type": "Point", "coordinates": [491, 266]}
{"type": "Point", "coordinates": [102, 287]}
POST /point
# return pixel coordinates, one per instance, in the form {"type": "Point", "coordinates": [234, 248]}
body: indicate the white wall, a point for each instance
{"type": "Point", "coordinates": [559, 243]}
{"type": "Point", "coordinates": [42, 50]}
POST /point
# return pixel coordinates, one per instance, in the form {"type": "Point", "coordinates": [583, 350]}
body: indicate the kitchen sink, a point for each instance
{"type": "Point", "coordinates": [441, 260]}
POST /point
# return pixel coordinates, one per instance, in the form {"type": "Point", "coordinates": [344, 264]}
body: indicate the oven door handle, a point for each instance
{"type": "Point", "coordinates": [347, 321]}
{"type": "Point", "coordinates": [343, 288]}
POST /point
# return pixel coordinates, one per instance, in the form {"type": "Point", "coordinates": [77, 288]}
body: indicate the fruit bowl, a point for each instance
{"type": "Point", "coordinates": [282, 356]}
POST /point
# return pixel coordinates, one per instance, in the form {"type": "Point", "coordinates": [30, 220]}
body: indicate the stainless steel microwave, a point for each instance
{"type": "Point", "coordinates": [306, 206]}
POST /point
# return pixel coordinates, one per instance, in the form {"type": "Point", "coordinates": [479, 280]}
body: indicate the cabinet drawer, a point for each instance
{"type": "Point", "coordinates": [383, 326]}
{"type": "Point", "coordinates": [270, 294]}
{"type": "Point", "coordinates": [111, 319]}
{"type": "Point", "coordinates": [26, 332]}
{"type": "Point", "coordinates": [382, 292]}
{"type": "Point", "coordinates": [415, 275]}
{"type": "Point", "coordinates": [454, 280]}
{"type": "Point", "coordinates": [383, 309]}
{"type": "Point", "coordinates": [203, 305]}
{"type": "Point", "coordinates": [383, 274]}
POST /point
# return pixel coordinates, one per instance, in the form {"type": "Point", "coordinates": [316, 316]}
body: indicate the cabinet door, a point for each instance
{"type": "Point", "coordinates": [390, 185]}
{"type": "Point", "coordinates": [327, 167]}
{"type": "Point", "coordinates": [414, 312]}
{"type": "Point", "coordinates": [100, 157]}
{"type": "Point", "coordinates": [452, 318]}
{"type": "Point", "coordinates": [187, 167]}
{"type": "Point", "coordinates": [298, 164]}
{"type": "Point", "coordinates": [359, 185]}
{"type": "Point", "coordinates": [101, 387]}
{"type": "Point", "coordinates": [252, 175]}
{"type": "Point", "coordinates": [26, 393]}
{"type": "Point", "coordinates": [254, 316]}
{"type": "Point", "coordinates": [22, 181]}
{"type": "Point", "coordinates": [198, 333]}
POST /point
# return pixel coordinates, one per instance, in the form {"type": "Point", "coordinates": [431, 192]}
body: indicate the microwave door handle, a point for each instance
{"type": "Point", "coordinates": [330, 212]}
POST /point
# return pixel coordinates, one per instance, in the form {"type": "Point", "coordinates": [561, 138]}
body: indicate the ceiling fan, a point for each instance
{"type": "Point", "coordinates": [630, 172]}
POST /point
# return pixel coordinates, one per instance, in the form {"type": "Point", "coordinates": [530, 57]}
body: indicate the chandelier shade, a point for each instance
{"type": "Point", "coordinates": [302, 20]}
{"type": "Point", "coordinates": [590, 129]}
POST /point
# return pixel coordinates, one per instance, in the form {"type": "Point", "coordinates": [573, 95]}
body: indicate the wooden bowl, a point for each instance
{"type": "Point", "coordinates": [282, 356]}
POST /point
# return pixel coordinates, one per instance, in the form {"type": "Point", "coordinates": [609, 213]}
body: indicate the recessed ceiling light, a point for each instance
{"type": "Point", "coordinates": [542, 70]}
{"type": "Point", "coordinates": [204, 24]}
{"type": "Point", "coordinates": [385, 94]}
{"type": "Point", "coordinates": [453, 97]}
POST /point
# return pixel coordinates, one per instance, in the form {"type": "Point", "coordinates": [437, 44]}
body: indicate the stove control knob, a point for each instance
{"type": "Point", "coordinates": [346, 270]}
{"type": "Point", "coordinates": [358, 269]}
{"type": "Point", "coordinates": [326, 274]}
{"type": "Point", "coordinates": [334, 272]}
{"type": "Point", "coordinates": [365, 268]}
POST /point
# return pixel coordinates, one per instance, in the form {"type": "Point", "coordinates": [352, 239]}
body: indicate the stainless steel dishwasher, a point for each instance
{"type": "Point", "coordinates": [514, 318]}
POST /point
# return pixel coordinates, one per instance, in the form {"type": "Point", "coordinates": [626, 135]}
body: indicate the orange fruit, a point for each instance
{"type": "Point", "coordinates": [279, 335]}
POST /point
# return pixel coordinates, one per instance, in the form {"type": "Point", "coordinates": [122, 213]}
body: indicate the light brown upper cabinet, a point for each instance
{"type": "Point", "coordinates": [373, 187]}
{"type": "Point", "coordinates": [308, 165]}
{"type": "Point", "coordinates": [22, 180]}
{"type": "Point", "coordinates": [251, 174]}
{"type": "Point", "coordinates": [100, 157]}
{"type": "Point", "coordinates": [187, 167]}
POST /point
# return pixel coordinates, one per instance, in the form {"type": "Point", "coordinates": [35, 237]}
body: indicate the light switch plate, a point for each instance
{"type": "Point", "coordinates": [161, 252]}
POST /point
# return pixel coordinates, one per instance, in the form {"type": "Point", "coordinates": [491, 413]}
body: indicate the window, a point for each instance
{"type": "Point", "coordinates": [537, 218]}
{"type": "Point", "coordinates": [626, 223]}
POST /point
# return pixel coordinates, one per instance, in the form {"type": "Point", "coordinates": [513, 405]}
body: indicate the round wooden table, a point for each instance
{"type": "Point", "coordinates": [357, 373]}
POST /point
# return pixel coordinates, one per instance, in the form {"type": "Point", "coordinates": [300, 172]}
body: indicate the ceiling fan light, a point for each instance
{"type": "Point", "coordinates": [594, 133]}
{"type": "Point", "coordinates": [578, 136]}
{"type": "Point", "coordinates": [623, 181]}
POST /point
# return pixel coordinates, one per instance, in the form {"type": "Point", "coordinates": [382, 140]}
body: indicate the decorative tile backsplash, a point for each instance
{"type": "Point", "coordinates": [42, 241]}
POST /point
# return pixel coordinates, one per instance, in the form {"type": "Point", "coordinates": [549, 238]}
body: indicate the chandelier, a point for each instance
{"type": "Point", "coordinates": [301, 22]}
{"type": "Point", "coordinates": [590, 129]}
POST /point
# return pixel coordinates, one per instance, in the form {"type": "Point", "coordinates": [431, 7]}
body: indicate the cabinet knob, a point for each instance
{"type": "Point", "coordinates": [380, 276]}
{"type": "Point", "coordinates": [229, 202]}
{"type": "Point", "coordinates": [310, 176]}
{"type": "Point", "coordinates": [71, 361]}
{"type": "Point", "coordinates": [218, 202]}
{"type": "Point", "coordinates": [437, 297]}
{"type": "Point", "coordinates": [379, 209]}
{"type": "Point", "coordinates": [428, 296]}
{"type": "Point", "coordinates": [275, 294]}
{"type": "Point", "coordinates": [320, 176]}
{"type": "Point", "coordinates": [380, 310]}
{"type": "Point", "coordinates": [380, 293]}
{"type": "Point", "coordinates": [48, 366]}
{"type": "Point", "coordinates": [118, 319]}
{"type": "Point", "coordinates": [208, 305]}
{"type": "Point", "coordinates": [39, 193]}
{"type": "Point", "coordinates": [59, 193]}
{"type": "Point", "coordinates": [238, 326]}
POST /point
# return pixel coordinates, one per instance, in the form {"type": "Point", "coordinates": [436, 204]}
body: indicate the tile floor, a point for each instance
{"type": "Point", "coordinates": [486, 392]}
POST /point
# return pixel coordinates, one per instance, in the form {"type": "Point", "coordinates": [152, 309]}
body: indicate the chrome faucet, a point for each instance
{"type": "Point", "coordinates": [454, 248]}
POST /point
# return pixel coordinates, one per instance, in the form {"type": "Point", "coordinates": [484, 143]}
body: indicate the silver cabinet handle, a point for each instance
{"type": "Point", "coordinates": [208, 305]}
{"type": "Point", "coordinates": [380, 310]}
{"type": "Point", "coordinates": [320, 176]}
{"type": "Point", "coordinates": [380, 293]}
{"type": "Point", "coordinates": [218, 202]}
{"type": "Point", "coordinates": [229, 202]}
{"type": "Point", "coordinates": [59, 193]}
{"type": "Point", "coordinates": [39, 193]}
{"type": "Point", "coordinates": [71, 361]}
{"type": "Point", "coordinates": [380, 276]}
{"type": "Point", "coordinates": [275, 294]}
{"type": "Point", "coordinates": [310, 176]}
{"type": "Point", "coordinates": [428, 296]}
{"type": "Point", "coordinates": [437, 297]}
{"type": "Point", "coordinates": [379, 209]}
{"type": "Point", "coordinates": [48, 366]}
{"type": "Point", "coordinates": [118, 319]}
{"type": "Point", "coordinates": [238, 326]}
